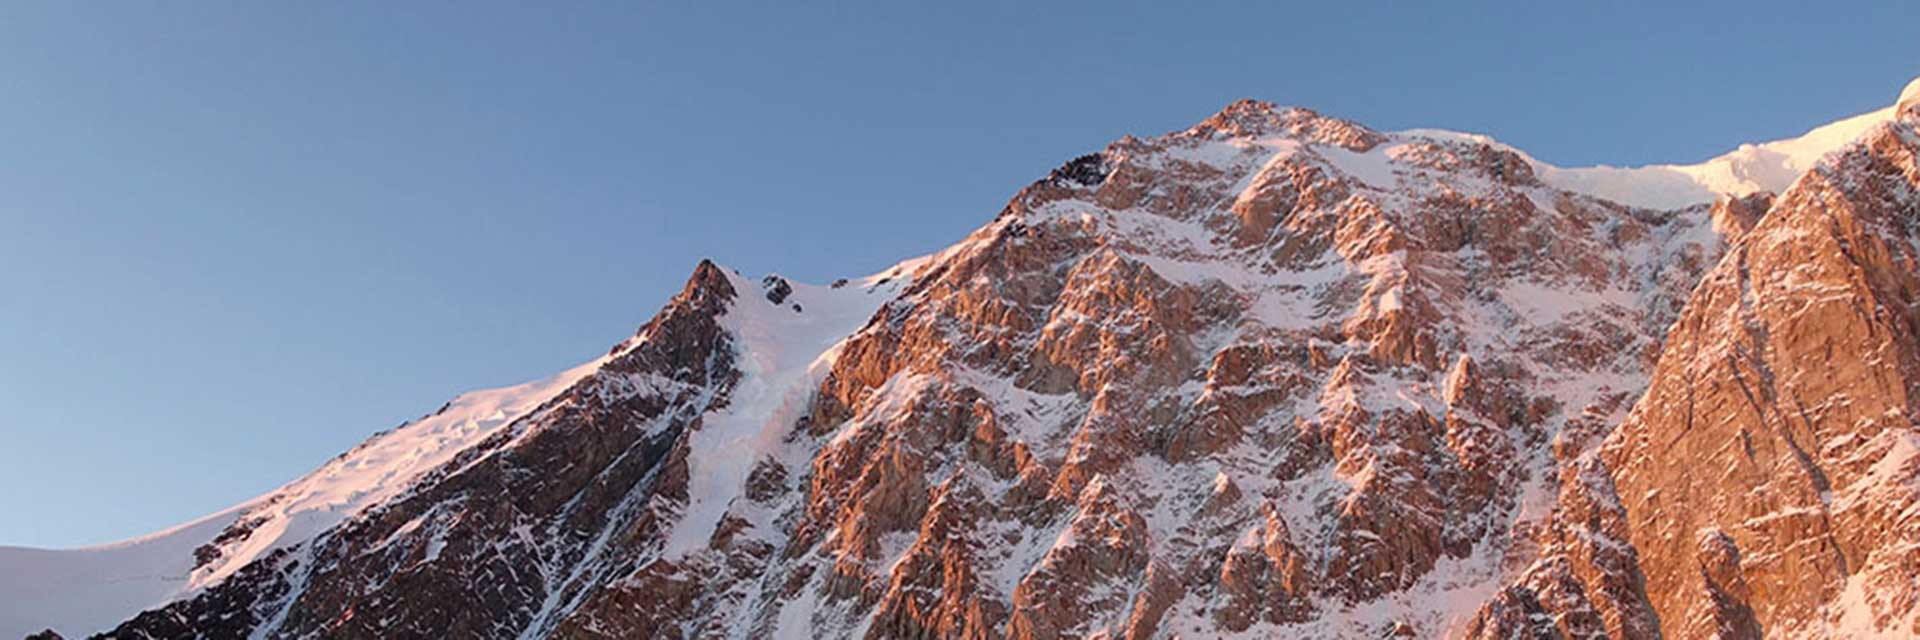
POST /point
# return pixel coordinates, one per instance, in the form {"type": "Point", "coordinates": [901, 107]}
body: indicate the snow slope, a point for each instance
{"type": "Point", "coordinates": [88, 590]}
{"type": "Point", "coordinates": [785, 350]}
{"type": "Point", "coordinates": [91, 589]}
{"type": "Point", "coordinates": [1770, 166]}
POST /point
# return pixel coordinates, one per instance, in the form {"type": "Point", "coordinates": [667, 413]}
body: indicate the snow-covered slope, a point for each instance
{"type": "Point", "coordinates": [92, 589]}
{"type": "Point", "coordinates": [786, 347]}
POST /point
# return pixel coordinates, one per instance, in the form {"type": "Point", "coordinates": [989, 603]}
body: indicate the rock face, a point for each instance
{"type": "Point", "coordinates": [1277, 374]}
{"type": "Point", "coordinates": [1768, 482]}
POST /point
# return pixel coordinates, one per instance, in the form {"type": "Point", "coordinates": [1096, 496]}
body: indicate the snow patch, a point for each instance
{"type": "Point", "coordinates": [1375, 168]}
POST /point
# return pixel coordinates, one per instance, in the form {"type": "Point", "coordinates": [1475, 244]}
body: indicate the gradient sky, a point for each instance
{"type": "Point", "coordinates": [236, 240]}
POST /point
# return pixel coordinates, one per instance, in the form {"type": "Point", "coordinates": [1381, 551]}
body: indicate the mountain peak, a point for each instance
{"type": "Point", "coordinates": [1249, 118]}
{"type": "Point", "coordinates": [706, 277]}
{"type": "Point", "coordinates": [1909, 97]}
{"type": "Point", "coordinates": [1251, 107]}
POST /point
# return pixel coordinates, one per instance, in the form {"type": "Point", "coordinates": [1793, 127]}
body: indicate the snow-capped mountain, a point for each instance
{"type": "Point", "coordinates": [1277, 374]}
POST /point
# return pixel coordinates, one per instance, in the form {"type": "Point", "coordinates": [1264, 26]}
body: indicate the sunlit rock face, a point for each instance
{"type": "Point", "coordinates": [1275, 375]}
{"type": "Point", "coordinates": [1768, 481]}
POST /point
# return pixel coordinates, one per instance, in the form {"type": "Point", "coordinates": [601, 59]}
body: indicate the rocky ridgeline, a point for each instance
{"type": "Point", "coordinates": [1274, 375]}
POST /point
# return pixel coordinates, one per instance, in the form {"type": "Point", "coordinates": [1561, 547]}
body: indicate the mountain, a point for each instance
{"type": "Point", "coordinates": [1277, 374]}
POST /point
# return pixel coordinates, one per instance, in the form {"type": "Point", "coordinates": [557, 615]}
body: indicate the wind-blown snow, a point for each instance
{"type": "Point", "coordinates": [88, 590]}
{"type": "Point", "coordinates": [1768, 166]}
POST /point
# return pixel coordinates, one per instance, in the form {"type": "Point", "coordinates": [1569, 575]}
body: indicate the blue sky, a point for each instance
{"type": "Point", "coordinates": [237, 239]}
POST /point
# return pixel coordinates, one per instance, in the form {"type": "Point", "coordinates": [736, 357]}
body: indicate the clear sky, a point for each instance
{"type": "Point", "coordinates": [236, 240]}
